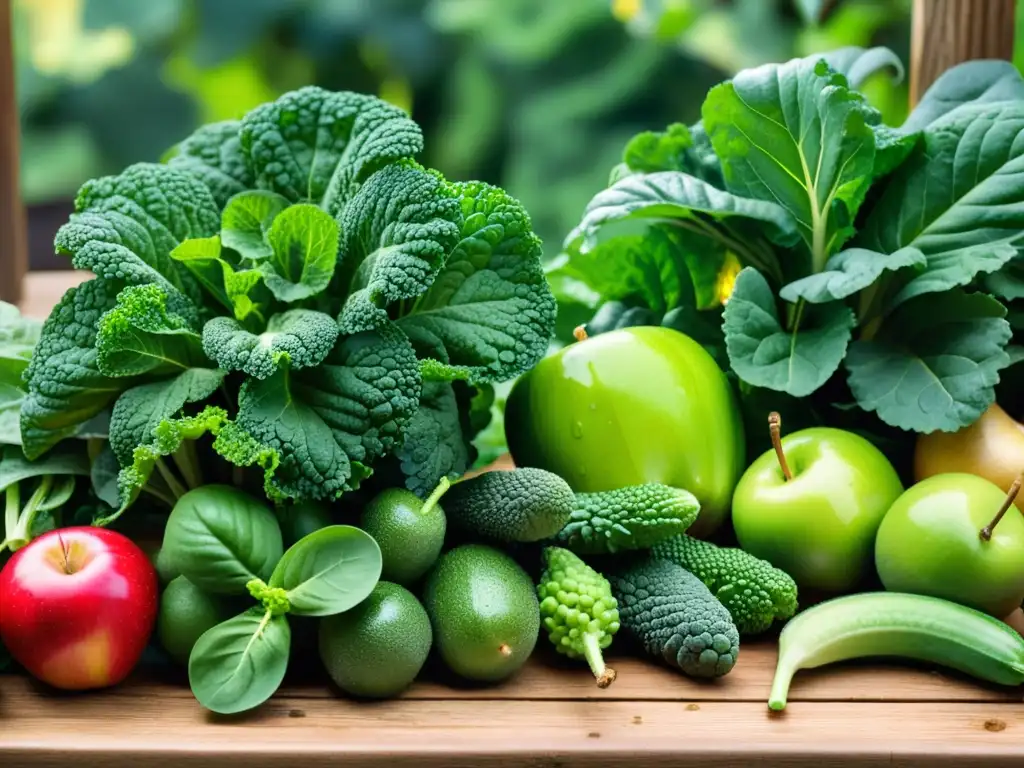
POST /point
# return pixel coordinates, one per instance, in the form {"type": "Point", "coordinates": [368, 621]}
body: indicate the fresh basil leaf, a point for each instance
{"type": "Point", "coordinates": [935, 363]}
{"type": "Point", "coordinates": [764, 353]}
{"type": "Point", "coordinates": [297, 338]}
{"type": "Point", "coordinates": [739, 223]}
{"type": "Point", "coordinates": [304, 240]}
{"type": "Point", "coordinates": [959, 199]}
{"type": "Point", "coordinates": [970, 82]}
{"type": "Point", "coordinates": [434, 445]}
{"type": "Point", "coordinates": [247, 219]}
{"type": "Point", "coordinates": [796, 135]}
{"type": "Point", "coordinates": [1007, 283]}
{"type": "Point", "coordinates": [329, 571]}
{"type": "Point", "coordinates": [239, 664]}
{"type": "Point", "coordinates": [241, 292]}
{"type": "Point", "coordinates": [220, 538]}
{"type": "Point", "coordinates": [849, 271]}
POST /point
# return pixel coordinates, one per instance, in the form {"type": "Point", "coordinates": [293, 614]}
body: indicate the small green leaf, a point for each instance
{"type": "Point", "coordinates": [221, 538]}
{"type": "Point", "coordinates": [956, 268]}
{"type": "Point", "coordinates": [305, 250]}
{"type": "Point", "coordinates": [297, 338]}
{"type": "Point", "coordinates": [246, 220]}
{"type": "Point", "coordinates": [241, 292]}
{"type": "Point", "coordinates": [1008, 283]}
{"type": "Point", "coordinates": [849, 271]}
{"type": "Point", "coordinates": [968, 83]}
{"type": "Point", "coordinates": [763, 353]}
{"type": "Point", "coordinates": [329, 571]}
{"type": "Point", "coordinates": [239, 664]}
{"type": "Point", "coordinates": [935, 363]}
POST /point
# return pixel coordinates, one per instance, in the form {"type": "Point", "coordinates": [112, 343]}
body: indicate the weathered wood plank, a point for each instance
{"type": "Point", "coordinates": [13, 237]}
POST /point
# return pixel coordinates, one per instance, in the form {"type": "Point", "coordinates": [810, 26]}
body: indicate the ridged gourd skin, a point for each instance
{"type": "Point", "coordinates": [755, 591]}
{"type": "Point", "coordinates": [524, 504]}
{"type": "Point", "coordinates": [676, 618]}
{"type": "Point", "coordinates": [484, 612]}
{"type": "Point", "coordinates": [578, 610]}
{"type": "Point", "coordinates": [629, 518]}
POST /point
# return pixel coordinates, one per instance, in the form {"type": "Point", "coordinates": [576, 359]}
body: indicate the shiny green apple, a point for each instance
{"type": "Point", "coordinates": [939, 539]}
{"type": "Point", "coordinates": [634, 405]}
{"type": "Point", "coordinates": [818, 524]}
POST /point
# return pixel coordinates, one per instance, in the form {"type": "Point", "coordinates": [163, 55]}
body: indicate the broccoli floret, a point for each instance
{"type": "Point", "coordinates": [578, 610]}
{"type": "Point", "coordinates": [755, 592]}
{"type": "Point", "coordinates": [675, 617]}
{"type": "Point", "coordinates": [634, 517]}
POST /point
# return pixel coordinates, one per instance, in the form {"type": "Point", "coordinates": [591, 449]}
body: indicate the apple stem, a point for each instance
{"type": "Point", "coordinates": [775, 427]}
{"type": "Point", "coordinates": [580, 333]}
{"type": "Point", "coordinates": [986, 532]}
{"type": "Point", "coordinates": [64, 554]}
{"type": "Point", "coordinates": [435, 497]}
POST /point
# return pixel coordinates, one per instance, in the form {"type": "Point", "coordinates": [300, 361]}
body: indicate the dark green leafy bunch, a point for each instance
{"type": "Point", "coordinates": [815, 250]}
{"type": "Point", "coordinates": [295, 288]}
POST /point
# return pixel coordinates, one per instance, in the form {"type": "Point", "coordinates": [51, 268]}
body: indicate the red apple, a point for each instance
{"type": "Point", "coordinates": [77, 607]}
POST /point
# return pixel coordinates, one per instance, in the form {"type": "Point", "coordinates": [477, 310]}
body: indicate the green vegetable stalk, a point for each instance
{"type": "Point", "coordinates": [578, 610]}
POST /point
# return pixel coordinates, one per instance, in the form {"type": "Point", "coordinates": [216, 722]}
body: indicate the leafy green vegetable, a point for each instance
{"type": "Point", "coordinates": [297, 338]}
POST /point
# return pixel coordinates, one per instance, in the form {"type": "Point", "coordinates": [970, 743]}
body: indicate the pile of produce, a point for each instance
{"type": "Point", "coordinates": [247, 436]}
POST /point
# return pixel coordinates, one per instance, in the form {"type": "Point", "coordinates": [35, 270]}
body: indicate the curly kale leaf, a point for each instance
{"type": "Point", "coordinates": [316, 145]}
{"type": "Point", "coordinates": [434, 444]}
{"type": "Point", "coordinates": [331, 423]}
{"type": "Point", "coordinates": [398, 230]}
{"type": "Point", "coordinates": [298, 338]}
{"type": "Point", "coordinates": [489, 314]}
{"type": "Point", "coordinates": [213, 154]}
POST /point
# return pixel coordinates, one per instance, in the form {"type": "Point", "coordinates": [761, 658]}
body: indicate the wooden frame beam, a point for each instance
{"type": "Point", "coordinates": [13, 238]}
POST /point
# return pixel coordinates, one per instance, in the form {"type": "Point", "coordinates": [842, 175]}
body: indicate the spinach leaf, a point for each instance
{"type": "Point", "coordinates": [247, 219]}
{"type": "Point", "coordinates": [970, 82]}
{"type": "Point", "coordinates": [795, 134]}
{"type": "Point", "coordinates": [221, 538]}
{"type": "Point", "coordinates": [328, 571]}
{"type": "Point", "coordinates": [848, 272]}
{"type": "Point", "coordinates": [934, 364]}
{"type": "Point", "coordinates": [239, 664]}
{"type": "Point", "coordinates": [304, 243]}
{"type": "Point", "coordinates": [796, 359]}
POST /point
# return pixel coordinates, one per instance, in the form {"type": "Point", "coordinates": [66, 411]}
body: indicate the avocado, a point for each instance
{"type": "Point", "coordinates": [484, 612]}
{"type": "Point", "coordinates": [376, 649]}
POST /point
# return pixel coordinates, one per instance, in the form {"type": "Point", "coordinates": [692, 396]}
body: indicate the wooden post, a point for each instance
{"type": "Point", "coordinates": [13, 242]}
{"type": "Point", "coordinates": [948, 32]}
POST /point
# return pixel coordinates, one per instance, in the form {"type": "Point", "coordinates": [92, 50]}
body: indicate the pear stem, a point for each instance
{"type": "Point", "coordinates": [986, 532]}
{"type": "Point", "coordinates": [775, 427]}
{"type": "Point", "coordinates": [580, 333]}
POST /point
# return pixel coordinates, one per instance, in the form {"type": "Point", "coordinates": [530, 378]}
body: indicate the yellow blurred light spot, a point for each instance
{"type": "Point", "coordinates": [224, 92]}
{"type": "Point", "coordinates": [626, 10]}
{"type": "Point", "coordinates": [397, 91]}
{"type": "Point", "coordinates": [726, 282]}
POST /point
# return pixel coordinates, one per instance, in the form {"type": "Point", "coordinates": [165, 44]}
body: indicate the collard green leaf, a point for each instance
{"type": "Point", "coordinates": [738, 222]}
{"type": "Point", "coordinates": [858, 64]}
{"type": "Point", "coordinates": [65, 385]}
{"type": "Point", "coordinates": [239, 664]}
{"type": "Point", "coordinates": [68, 459]}
{"type": "Point", "coordinates": [959, 199]}
{"type": "Point", "coordinates": [1008, 283]}
{"type": "Point", "coordinates": [140, 335]}
{"type": "Point", "coordinates": [247, 219]}
{"type": "Point", "coordinates": [139, 410]}
{"type": "Point", "coordinates": [316, 145]}
{"type": "Point", "coordinates": [213, 154]}
{"type": "Point", "coordinates": [240, 292]}
{"type": "Point", "coordinates": [329, 571]}
{"type": "Point", "coordinates": [794, 134]}
{"type": "Point", "coordinates": [796, 359]}
{"type": "Point", "coordinates": [297, 338]}
{"type": "Point", "coordinates": [304, 241]}
{"type": "Point", "coordinates": [489, 314]}
{"type": "Point", "coordinates": [330, 423]}
{"type": "Point", "coordinates": [970, 82]}
{"type": "Point", "coordinates": [934, 364]}
{"type": "Point", "coordinates": [434, 445]}
{"type": "Point", "coordinates": [848, 272]}
{"type": "Point", "coordinates": [398, 230]}
{"type": "Point", "coordinates": [220, 538]}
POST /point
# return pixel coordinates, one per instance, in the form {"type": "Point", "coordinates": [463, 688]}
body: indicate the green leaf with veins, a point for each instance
{"type": "Point", "coordinates": [247, 219]}
{"type": "Point", "coordinates": [304, 240]}
{"type": "Point", "coordinates": [1007, 283]}
{"type": "Point", "coordinates": [140, 336]}
{"type": "Point", "coordinates": [297, 338]}
{"type": "Point", "coordinates": [796, 359]}
{"type": "Point", "coordinates": [139, 410]}
{"type": "Point", "coordinates": [434, 445]}
{"type": "Point", "coordinates": [959, 199]}
{"type": "Point", "coordinates": [331, 423]}
{"type": "Point", "coordinates": [488, 314]}
{"type": "Point", "coordinates": [65, 459]}
{"type": "Point", "coordinates": [399, 229]}
{"type": "Point", "coordinates": [848, 272]}
{"type": "Point", "coordinates": [738, 223]}
{"type": "Point", "coordinates": [968, 83]}
{"type": "Point", "coordinates": [934, 364]}
{"type": "Point", "coordinates": [794, 134]}
{"type": "Point", "coordinates": [239, 664]}
{"type": "Point", "coordinates": [239, 292]}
